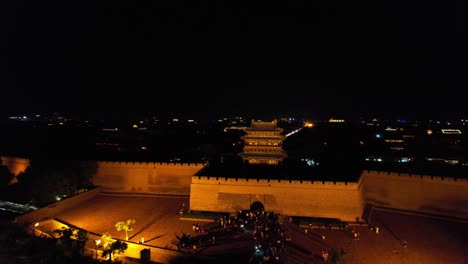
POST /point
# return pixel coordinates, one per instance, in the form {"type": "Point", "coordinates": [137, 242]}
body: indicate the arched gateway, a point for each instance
{"type": "Point", "coordinates": [257, 206]}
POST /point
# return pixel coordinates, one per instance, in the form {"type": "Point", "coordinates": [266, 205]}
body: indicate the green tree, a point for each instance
{"type": "Point", "coordinates": [107, 238]}
{"type": "Point", "coordinates": [125, 225]}
{"type": "Point", "coordinates": [71, 241]}
{"type": "Point", "coordinates": [111, 246]}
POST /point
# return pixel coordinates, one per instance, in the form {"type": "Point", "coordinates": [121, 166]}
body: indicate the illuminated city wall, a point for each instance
{"type": "Point", "coordinates": [426, 194]}
{"type": "Point", "coordinates": [15, 165]}
{"type": "Point", "coordinates": [142, 177]}
{"type": "Point", "coordinates": [318, 199]}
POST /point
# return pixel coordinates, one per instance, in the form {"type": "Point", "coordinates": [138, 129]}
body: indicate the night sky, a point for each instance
{"type": "Point", "coordinates": [394, 58]}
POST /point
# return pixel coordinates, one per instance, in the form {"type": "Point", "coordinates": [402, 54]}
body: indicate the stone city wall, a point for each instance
{"type": "Point", "coordinates": [143, 177]}
{"type": "Point", "coordinates": [420, 193]}
{"type": "Point", "coordinates": [314, 199]}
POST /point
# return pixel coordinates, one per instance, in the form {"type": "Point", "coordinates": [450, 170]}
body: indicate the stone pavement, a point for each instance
{"type": "Point", "coordinates": [402, 239]}
{"type": "Point", "coordinates": [428, 240]}
{"type": "Point", "coordinates": [157, 217]}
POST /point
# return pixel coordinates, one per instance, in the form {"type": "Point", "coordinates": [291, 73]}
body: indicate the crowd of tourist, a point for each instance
{"type": "Point", "coordinates": [263, 229]}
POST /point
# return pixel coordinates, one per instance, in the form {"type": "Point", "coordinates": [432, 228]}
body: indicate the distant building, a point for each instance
{"type": "Point", "coordinates": [446, 136]}
{"type": "Point", "coordinates": [263, 143]}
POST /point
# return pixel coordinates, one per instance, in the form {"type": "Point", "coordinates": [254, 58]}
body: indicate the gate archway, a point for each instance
{"type": "Point", "coordinates": [257, 206]}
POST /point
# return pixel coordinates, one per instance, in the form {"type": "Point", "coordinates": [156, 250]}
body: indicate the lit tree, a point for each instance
{"type": "Point", "coordinates": [111, 245]}
{"type": "Point", "coordinates": [118, 246]}
{"type": "Point", "coordinates": [125, 225]}
{"type": "Point", "coordinates": [107, 238]}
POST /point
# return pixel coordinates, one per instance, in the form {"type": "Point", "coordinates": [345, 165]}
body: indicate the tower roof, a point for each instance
{"type": "Point", "coordinates": [264, 126]}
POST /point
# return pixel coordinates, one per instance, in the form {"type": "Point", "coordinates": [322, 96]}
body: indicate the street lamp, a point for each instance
{"type": "Point", "coordinates": [97, 242]}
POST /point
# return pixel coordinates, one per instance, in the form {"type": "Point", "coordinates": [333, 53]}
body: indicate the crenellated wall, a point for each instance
{"type": "Point", "coordinates": [420, 193]}
{"type": "Point", "coordinates": [142, 177]}
{"type": "Point", "coordinates": [297, 198]}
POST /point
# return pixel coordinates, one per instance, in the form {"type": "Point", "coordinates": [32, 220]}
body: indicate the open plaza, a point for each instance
{"type": "Point", "coordinates": [389, 237]}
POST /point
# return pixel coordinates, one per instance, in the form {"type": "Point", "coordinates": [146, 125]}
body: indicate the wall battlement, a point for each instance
{"type": "Point", "coordinates": [274, 183]}
{"type": "Point", "coordinates": [143, 163]}
{"type": "Point", "coordinates": [414, 192]}
{"type": "Point", "coordinates": [334, 199]}
{"type": "Point", "coordinates": [344, 200]}
{"type": "Point", "coordinates": [142, 177]}
{"type": "Point", "coordinates": [416, 177]}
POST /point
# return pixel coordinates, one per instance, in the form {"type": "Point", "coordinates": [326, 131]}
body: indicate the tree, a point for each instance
{"type": "Point", "coordinates": [49, 179]}
{"type": "Point", "coordinates": [71, 241]}
{"type": "Point", "coordinates": [107, 240]}
{"type": "Point", "coordinates": [111, 246]}
{"type": "Point", "coordinates": [125, 225]}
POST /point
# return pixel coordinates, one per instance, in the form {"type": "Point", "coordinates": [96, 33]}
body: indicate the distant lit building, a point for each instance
{"type": "Point", "coordinates": [446, 136]}
{"type": "Point", "coordinates": [263, 143]}
{"type": "Point", "coordinates": [393, 138]}
{"type": "Point", "coordinates": [333, 120]}
{"type": "Point", "coordinates": [447, 146]}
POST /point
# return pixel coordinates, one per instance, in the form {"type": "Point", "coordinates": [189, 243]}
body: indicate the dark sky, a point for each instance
{"type": "Point", "coordinates": [314, 58]}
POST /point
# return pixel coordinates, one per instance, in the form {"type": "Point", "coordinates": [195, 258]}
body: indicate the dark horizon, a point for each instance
{"type": "Point", "coordinates": [259, 113]}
